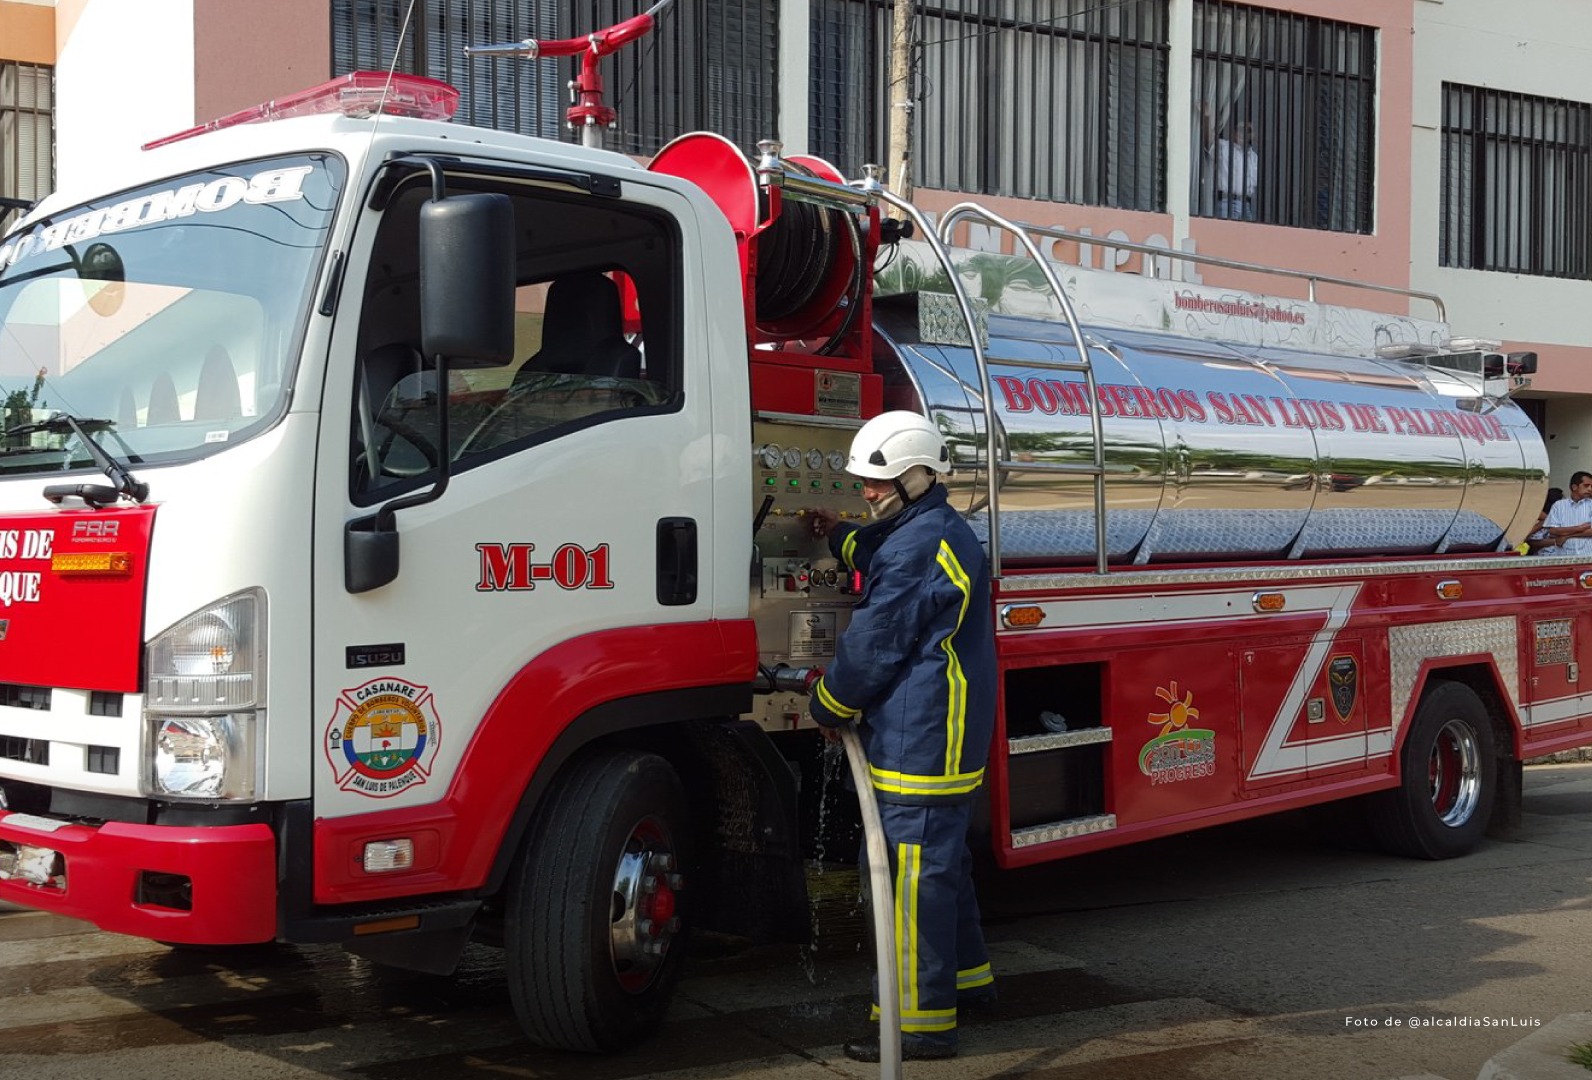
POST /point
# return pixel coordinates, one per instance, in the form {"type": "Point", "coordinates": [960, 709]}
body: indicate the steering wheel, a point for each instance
{"type": "Point", "coordinates": [618, 397]}
{"type": "Point", "coordinates": [405, 470]}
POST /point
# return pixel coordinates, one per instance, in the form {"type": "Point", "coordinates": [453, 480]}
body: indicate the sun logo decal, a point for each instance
{"type": "Point", "coordinates": [1178, 713]}
{"type": "Point", "coordinates": [1178, 752]}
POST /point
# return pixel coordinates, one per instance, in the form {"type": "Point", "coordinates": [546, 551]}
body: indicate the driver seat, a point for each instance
{"type": "Point", "coordinates": [583, 332]}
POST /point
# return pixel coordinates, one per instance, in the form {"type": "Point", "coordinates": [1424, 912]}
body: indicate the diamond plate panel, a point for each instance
{"type": "Point", "coordinates": [940, 320]}
{"type": "Point", "coordinates": [1410, 646]}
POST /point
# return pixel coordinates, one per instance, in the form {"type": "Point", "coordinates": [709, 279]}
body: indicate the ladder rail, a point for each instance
{"type": "Point", "coordinates": [1022, 233]}
{"type": "Point", "coordinates": [965, 305]}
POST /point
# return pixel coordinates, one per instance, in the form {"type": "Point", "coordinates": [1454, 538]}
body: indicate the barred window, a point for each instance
{"type": "Point", "coordinates": [1063, 101]}
{"type": "Point", "coordinates": [1516, 196]}
{"type": "Point", "coordinates": [708, 65]}
{"type": "Point", "coordinates": [1285, 121]}
{"type": "Point", "coordinates": [27, 136]}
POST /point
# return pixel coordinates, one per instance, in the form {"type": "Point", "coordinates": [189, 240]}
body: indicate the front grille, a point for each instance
{"type": "Point", "coordinates": [32, 751]}
{"type": "Point", "coordinates": [104, 759]}
{"type": "Point", "coordinates": [20, 696]}
{"type": "Point", "coordinates": [101, 703]}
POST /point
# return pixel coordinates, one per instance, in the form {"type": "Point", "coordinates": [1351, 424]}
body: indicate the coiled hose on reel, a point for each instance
{"type": "Point", "coordinates": [796, 259]}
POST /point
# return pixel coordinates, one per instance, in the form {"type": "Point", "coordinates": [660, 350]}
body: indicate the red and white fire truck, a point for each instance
{"type": "Point", "coordinates": [407, 545]}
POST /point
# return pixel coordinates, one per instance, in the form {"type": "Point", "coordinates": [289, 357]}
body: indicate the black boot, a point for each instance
{"type": "Point", "coordinates": [913, 1048]}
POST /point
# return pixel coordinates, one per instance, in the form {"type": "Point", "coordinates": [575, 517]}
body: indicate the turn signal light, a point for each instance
{"type": "Point", "coordinates": [382, 855]}
{"type": "Point", "coordinates": [1450, 590]}
{"type": "Point", "coordinates": [66, 563]}
{"type": "Point", "coordinates": [1017, 618]}
{"type": "Point", "coordinates": [1270, 601]}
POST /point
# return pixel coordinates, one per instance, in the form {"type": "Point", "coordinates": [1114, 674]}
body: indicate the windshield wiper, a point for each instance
{"type": "Point", "coordinates": [95, 495]}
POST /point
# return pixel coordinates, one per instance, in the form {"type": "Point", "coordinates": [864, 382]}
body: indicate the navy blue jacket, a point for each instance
{"type": "Point", "coordinates": [916, 665]}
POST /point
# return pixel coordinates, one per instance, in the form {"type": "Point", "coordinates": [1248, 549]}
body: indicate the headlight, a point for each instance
{"type": "Point", "coordinates": [205, 756]}
{"type": "Point", "coordinates": [204, 701]}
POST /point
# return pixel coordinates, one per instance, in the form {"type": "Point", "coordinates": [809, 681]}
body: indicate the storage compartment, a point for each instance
{"type": "Point", "coordinates": [1058, 784]}
{"type": "Point", "coordinates": [1037, 699]}
{"type": "Point", "coordinates": [1056, 745]}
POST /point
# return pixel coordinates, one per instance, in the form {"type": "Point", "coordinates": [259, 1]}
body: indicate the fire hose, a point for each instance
{"type": "Point", "coordinates": [883, 904]}
{"type": "Point", "coordinates": [800, 680]}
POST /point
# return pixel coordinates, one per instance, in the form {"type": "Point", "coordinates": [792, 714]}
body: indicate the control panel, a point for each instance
{"type": "Point", "coordinates": [801, 596]}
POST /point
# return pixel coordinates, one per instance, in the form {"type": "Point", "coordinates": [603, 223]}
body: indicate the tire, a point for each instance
{"type": "Point", "coordinates": [593, 935]}
{"type": "Point", "coordinates": [1449, 779]}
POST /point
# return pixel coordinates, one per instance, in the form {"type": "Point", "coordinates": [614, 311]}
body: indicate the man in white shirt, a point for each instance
{"type": "Point", "coordinates": [1235, 167]}
{"type": "Point", "coordinates": [1569, 523]}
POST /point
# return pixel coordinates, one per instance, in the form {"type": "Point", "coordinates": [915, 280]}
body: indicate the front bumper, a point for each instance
{"type": "Point", "coordinates": [225, 877]}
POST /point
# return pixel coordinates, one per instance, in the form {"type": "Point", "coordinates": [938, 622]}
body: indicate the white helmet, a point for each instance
{"type": "Point", "coordinates": [893, 442]}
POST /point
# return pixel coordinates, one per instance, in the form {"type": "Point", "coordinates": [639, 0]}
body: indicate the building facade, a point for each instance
{"type": "Point", "coordinates": [1404, 143]}
{"type": "Point", "coordinates": [27, 103]}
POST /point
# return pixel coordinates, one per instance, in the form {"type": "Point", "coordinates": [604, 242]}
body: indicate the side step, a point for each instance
{"type": "Point", "coordinates": [1063, 830]}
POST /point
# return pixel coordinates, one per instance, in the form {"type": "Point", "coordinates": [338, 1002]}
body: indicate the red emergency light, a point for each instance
{"type": "Point", "coordinates": [357, 94]}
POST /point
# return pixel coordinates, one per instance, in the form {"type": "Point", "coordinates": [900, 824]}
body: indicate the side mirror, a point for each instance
{"type": "Point", "coordinates": [370, 553]}
{"type": "Point", "coordinates": [467, 279]}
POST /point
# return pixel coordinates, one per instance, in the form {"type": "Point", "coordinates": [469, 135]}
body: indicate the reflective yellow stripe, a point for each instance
{"type": "Point", "coordinates": [906, 920]}
{"type": "Point", "coordinates": [974, 977]}
{"type": "Point", "coordinates": [956, 696]}
{"type": "Point", "coordinates": [847, 547]}
{"type": "Point", "coordinates": [909, 784]}
{"type": "Point", "coordinates": [831, 704]}
{"type": "Point", "coordinates": [922, 1019]}
{"type": "Point", "coordinates": [920, 1026]}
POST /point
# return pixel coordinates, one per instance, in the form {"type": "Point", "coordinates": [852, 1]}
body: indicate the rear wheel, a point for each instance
{"type": "Point", "coordinates": [1449, 779]}
{"type": "Point", "coordinates": [593, 935]}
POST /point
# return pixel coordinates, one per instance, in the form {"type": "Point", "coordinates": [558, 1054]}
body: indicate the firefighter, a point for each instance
{"type": "Point", "coordinates": [916, 670]}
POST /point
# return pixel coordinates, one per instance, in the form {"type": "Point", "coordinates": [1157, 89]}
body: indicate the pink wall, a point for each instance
{"type": "Point", "coordinates": [245, 54]}
{"type": "Point", "coordinates": [1383, 257]}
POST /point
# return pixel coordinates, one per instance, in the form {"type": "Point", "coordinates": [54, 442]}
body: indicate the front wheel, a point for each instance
{"type": "Point", "coordinates": [1448, 779]}
{"type": "Point", "coordinates": [593, 935]}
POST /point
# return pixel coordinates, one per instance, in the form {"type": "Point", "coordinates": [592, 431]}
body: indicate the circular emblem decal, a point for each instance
{"type": "Point", "coordinates": [383, 737]}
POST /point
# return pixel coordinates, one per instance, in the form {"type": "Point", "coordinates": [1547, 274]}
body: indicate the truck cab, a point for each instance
{"type": "Point", "coordinates": [435, 446]}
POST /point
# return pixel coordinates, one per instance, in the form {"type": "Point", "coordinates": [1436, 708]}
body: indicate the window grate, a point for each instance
{"type": "Point", "coordinates": [1285, 113]}
{"type": "Point", "coordinates": [707, 66]}
{"type": "Point", "coordinates": [1516, 191]}
{"type": "Point", "coordinates": [27, 135]}
{"type": "Point", "coordinates": [1068, 103]}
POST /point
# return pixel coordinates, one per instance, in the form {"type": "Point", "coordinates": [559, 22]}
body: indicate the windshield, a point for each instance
{"type": "Point", "coordinates": [173, 312]}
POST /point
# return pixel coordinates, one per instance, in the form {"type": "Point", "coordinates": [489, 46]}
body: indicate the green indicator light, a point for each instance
{"type": "Point", "coordinates": [769, 481]}
{"type": "Point", "coordinates": [857, 486]}
{"type": "Point", "coordinates": [837, 484]}
{"type": "Point", "coordinates": [795, 483]}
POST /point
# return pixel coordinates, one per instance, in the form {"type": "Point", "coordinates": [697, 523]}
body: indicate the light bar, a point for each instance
{"type": "Point", "coordinates": [358, 94]}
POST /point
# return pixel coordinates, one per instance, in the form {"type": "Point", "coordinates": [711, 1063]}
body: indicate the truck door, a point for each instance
{"type": "Point", "coordinates": [576, 516]}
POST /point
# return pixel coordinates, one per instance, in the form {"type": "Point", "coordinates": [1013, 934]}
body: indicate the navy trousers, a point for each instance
{"type": "Point", "coordinates": [939, 947]}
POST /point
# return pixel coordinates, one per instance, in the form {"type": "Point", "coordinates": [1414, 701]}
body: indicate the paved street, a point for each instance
{"type": "Point", "coordinates": [1260, 951]}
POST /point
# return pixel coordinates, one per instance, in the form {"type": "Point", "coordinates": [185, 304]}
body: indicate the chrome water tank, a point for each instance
{"type": "Point", "coordinates": [1218, 451]}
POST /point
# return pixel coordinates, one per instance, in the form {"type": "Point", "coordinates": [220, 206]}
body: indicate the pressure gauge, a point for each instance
{"type": "Point", "coordinates": [768, 456]}
{"type": "Point", "coordinates": [837, 460]}
{"type": "Point", "coordinates": [815, 459]}
{"type": "Point", "coordinates": [793, 458]}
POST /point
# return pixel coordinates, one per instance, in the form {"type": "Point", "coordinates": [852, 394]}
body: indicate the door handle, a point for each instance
{"type": "Point", "coordinates": [677, 561]}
